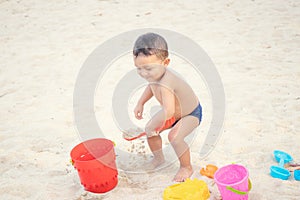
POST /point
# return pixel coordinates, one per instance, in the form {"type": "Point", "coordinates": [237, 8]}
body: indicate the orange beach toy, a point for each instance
{"type": "Point", "coordinates": [209, 171]}
{"type": "Point", "coordinates": [168, 124]}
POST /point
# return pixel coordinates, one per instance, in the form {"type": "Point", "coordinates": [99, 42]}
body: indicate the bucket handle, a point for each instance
{"type": "Point", "coordinates": [238, 191]}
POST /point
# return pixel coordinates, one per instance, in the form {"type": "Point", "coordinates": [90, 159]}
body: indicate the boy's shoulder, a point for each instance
{"type": "Point", "coordinates": [172, 75]}
{"type": "Point", "coordinates": [169, 78]}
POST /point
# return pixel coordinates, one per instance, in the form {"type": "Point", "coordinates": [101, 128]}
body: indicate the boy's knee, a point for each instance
{"type": "Point", "coordinates": [150, 131]}
{"type": "Point", "coordinates": [173, 139]}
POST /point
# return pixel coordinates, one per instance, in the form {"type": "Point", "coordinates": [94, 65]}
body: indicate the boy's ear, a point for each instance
{"type": "Point", "coordinates": [166, 62]}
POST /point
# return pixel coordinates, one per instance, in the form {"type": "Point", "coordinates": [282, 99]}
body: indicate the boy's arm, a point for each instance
{"type": "Point", "coordinates": [168, 102]}
{"type": "Point", "coordinates": [147, 94]}
{"type": "Point", "coordinates": [167, 112]}
{"type": "Point", "coordinates": [138, 111]}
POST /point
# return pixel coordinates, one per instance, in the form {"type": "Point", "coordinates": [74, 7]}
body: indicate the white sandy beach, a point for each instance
{"type": "Point", "coordinates": [254, 44]}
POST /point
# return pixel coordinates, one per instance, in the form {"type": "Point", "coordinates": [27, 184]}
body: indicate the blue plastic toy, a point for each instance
{"type": "Point", "coordinates": [297, 175]}
{"type": "Point", "coordinates": [279, 171]}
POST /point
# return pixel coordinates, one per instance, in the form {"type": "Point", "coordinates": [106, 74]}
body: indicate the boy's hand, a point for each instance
{"type": "Point", "coordinates": [138, 111]}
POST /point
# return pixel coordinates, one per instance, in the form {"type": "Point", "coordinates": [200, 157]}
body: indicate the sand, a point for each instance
{"type": "Point", "coordinates": [253, 44]}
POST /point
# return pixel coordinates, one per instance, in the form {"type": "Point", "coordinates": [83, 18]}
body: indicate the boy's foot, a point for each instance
{"type": "Point", "coordinates": [183, 173]}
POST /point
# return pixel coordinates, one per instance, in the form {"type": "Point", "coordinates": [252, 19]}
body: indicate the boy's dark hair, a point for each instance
{"type": "Point", "coordinates": [151, 44]}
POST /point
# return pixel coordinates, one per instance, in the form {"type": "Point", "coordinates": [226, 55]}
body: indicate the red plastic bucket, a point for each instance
{"type": "Point", "coordinates": [233, 182]}
{"type": "Point", "coordinates": [95, 161]}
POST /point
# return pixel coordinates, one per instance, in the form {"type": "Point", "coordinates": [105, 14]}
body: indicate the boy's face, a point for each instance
{"type": "Point", "coordinates": [151, 67]}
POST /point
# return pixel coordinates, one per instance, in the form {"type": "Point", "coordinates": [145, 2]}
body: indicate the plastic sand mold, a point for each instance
{"type": "Point", "coordinates": [188, 190]}
{"type": "Point", "coordinates": [297, 175]}
{"type": "Point", "coordinates": [279, 171]}
{"type": "Point", "coordinates": [209, 171]}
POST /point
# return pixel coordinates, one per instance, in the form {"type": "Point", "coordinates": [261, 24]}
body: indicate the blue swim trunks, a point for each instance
{"type": "Point", "coordinates": [197, 112]}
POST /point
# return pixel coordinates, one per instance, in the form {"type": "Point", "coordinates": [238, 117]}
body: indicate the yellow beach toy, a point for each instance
{"type": "Point", "coordinates": [188, 190]}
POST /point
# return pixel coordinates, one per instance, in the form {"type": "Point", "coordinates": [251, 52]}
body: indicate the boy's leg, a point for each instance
{"type": "Point", "coordinates": [176, 136]}
{"type": "Point", "coordinates": [155, 144]}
